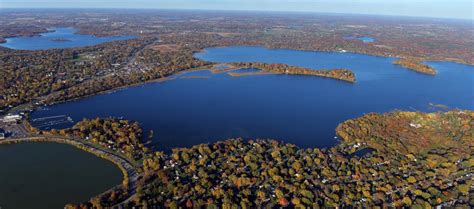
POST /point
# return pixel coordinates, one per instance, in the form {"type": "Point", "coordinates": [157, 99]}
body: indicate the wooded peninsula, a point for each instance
{"type": "Point", "coordinates": [417, 160]}
{"type": "Point", "coordinates": [392, 160]}
{"type": "Point", "coordinates": [415, 65]}
{"type": "Point", "coordinates": [56, 75]}
{"type": "Point", "coordinates": [339, 74]}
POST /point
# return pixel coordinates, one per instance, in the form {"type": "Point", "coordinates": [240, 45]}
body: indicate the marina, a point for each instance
{"type": "Point", "coordinates": [52, 121]}
{"type": "Point", "coordinates": [296, 109]}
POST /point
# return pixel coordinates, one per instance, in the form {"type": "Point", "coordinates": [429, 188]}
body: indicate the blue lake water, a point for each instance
{"type": "Point", "coordinates": [58, 38]}
{"type": "Point", "coordinates": [303, 110]}
{"type": "Point", "coordinates": [364, 39]}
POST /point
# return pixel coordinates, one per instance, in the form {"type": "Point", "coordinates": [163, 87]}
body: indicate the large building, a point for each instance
{"type": "Point", "coordinates": [11, 118]}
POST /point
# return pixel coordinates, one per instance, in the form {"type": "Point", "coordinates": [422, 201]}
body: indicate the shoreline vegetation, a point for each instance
{"type": "Point", "coordinates": [120, 136]}
{"type": "Point", "coordinates": [62, 95]}
{"type": "Point", "coordinates": [418, 160]}
{"type": "Point", "coordinates": [162, 51]}
{"type": "Point", "coordinates": [47, 100]}
{"type": "Point", "coordinates": [116, 140]}
{"type": "Point", "coordinates": [339, 74]}
{"type": "Point", "coordinates": [412, 132]}
{"type": "Point", "coordinates": [251, 73]}
{"type": "Point", "coordinates": [415, 65]}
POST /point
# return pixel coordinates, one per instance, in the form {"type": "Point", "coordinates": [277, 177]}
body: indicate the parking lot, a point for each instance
{"type": "Point", "coordinates": [14, 130]}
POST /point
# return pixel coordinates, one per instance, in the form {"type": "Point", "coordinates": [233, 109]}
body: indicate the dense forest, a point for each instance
{"type": "Point", "coordinates": [266, 173]}
{"type": "Point", "coordinates": [416, 66]}
{"type": "Point", "coordinates": [340, 74]}
{"type": "Point", "coordinates": [115, 134]}
{"type": "Point", "coordinates": [413, 132]}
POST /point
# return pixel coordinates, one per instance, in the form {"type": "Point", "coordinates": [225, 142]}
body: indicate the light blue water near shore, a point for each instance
{"type": "Point", "coordinates": [304, 110]}
{"type": "Point", "coordinates": [364, 39]}
{"type": "Point", "coordinates": [58, 38]}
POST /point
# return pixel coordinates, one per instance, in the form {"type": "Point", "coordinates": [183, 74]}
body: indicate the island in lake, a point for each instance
{"type": "Point", "coordinates": [171, 102]}
{"type": "Point", "coordinates": [340, 74]}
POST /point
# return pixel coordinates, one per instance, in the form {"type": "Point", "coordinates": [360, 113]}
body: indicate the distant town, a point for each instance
{"type": "Point", "coordinates": [231, 89]}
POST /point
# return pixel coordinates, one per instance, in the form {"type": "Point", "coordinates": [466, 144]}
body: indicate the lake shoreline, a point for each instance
{"type": "Point", "coordinates": [339, 51]}
{"type": "Point", "coordinates": [57, 38]}
{"type": "Point", "coordinates": [128, 170]}
{"type": "Point", "coordinates": [375, 76]}
{"type": "Point", "coordinates": [214, 64]}
{"type": "Point", "coordinates": [158, 80]}
{"type": "Point", "coordinates": [173, 168]}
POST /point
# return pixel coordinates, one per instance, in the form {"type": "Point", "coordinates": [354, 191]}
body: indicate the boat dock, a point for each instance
{"type": "Point", "coordinates": [51, 121]}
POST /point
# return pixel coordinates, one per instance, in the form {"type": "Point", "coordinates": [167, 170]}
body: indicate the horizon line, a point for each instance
{"type": "Point", "coordinates": [237, 10]}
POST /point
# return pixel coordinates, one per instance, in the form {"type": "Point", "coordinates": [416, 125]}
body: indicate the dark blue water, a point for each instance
{"type": "Point", "coordinates": [58, 38]}
{"type": "Point", "coordinates": [50, 175]}
{"type": "Point", "coordinates": [303, 110]}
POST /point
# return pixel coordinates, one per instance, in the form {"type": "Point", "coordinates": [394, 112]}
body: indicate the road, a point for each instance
{"type": "Point", "coordinates": [16, 130]}
{"type": "Point", "coordinates": [132, 60]}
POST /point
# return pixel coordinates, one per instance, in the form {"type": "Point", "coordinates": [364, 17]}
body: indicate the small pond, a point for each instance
{"type": "Point", "coordinates": [50, 175]}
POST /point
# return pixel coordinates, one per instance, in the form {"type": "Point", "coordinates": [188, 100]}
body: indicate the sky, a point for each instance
{"type": "Point", "coordinates": [459, 9]}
